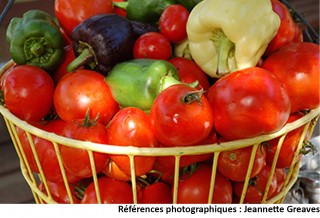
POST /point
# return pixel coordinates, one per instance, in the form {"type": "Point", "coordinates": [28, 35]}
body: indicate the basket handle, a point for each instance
{"type": "Point", "coordinates": [310, 33]}
{"type": "Point", "coordinates": [5, 10]}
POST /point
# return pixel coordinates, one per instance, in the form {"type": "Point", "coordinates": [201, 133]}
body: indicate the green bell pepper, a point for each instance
{"type": "Point", "coordinates": [144, 10]}
{"type": "Point", "coordinates": [137, 82]}
{"type": "Point", "coordinates": [35, 39]}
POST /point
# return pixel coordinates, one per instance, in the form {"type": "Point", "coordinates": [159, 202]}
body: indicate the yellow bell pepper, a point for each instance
{"type": "Point", "coordinates": [225, 36]}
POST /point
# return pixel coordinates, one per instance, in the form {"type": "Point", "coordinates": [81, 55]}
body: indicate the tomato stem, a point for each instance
{"type": "Point", "coordinates": [307, 148]}
{"type": "Point", "coordinates": [79, 190]}
{"type": "Point", "coordinates": [87, 122]}
{"type": "Point", "coordinates": [253, 181]}
{"type": "Point", "coordinates": [233, 156]}
{"type": "Point", "coordinates": [189, 170]}
{"type": "Point", "coordinates": [193, 96]}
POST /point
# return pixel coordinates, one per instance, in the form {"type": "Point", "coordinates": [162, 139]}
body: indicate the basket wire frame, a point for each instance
{"type": "Point", "coordinates": [33, 179]}
{"type": "Point", "coordinates": [5, 10]}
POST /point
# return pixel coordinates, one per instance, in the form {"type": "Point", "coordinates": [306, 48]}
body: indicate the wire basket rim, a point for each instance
{"type": "Point", "coordinates": [158, 151]}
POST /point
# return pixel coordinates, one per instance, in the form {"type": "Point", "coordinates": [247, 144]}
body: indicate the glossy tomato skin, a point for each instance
{"type": "Point", "coordinates": [247, 103]}
{"type": "Point", "coordinates": [155, 193]}
{"type": "Point", "coordinates": [297, 67]}
{"type": "Point", "coordinates": [112, 170]}
{"type": "Point", "coordinates": [28, 92]}
{"type": "Point", "coordinates": [256, 187]}
{"type": "Point", "coordinates": [181, 116]}
{"type": "Point", "coordinates": [27, 149]}
{"type": "Point", "coordinates": [132, 126]}
{"type": "Point", "coordinates": [281, 176]}
{"type": "Point", "coordinates": [289, 145]}
{"type": "Point", "coordinates": [287, 30]}
{"type": "Point", "coordinates": [71, 13]}
{"type": "Point", "coordinates": [194, 188]}
{"type": "Point", "coordinates": [189, 72]}
{"type": "Point", "coordinates": [48, 155]}
{"type": "Point", "coordinates": [152, 45]}
{"type": "Point", "coordinates": [234, 164]}
{"type": "Point", "coordinates": [81, 90]}
{"type": "Point", "coordinates": [76, 160]}
{"type": "Point", "coordinates": [45, 151]}
{"type": "Point", "coordinates": [59, 192]}
{"type": "Point", "coordinates": [111, 192]}
{"type": "Point", "coordinates": [3, 75]}
{"type": "Point", "coordinates": [173, 22]}
{"type": "Point", "coordinates": [298, 35]}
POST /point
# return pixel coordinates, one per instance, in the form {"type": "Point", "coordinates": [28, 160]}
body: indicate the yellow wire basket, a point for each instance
{"type": "Point", "coordinates": [33, 179]}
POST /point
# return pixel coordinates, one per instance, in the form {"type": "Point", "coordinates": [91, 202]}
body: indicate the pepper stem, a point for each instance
{"type": "Point", "coordinates": [87, 56]}
{"type": "Point", "coordinates": [122, 5]}
{"type": "Point", "coordinates": [225, 48]}
{"type": "Point", "coordinates": [37, 49]}
{"type": "Point", "coordinates": [167, 81]}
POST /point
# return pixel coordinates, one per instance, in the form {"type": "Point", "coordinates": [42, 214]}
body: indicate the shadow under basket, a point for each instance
{"type": "Point", "coordinates": [308, 122]}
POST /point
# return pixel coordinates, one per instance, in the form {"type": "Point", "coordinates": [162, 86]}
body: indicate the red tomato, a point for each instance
{"type": "Point", "coordinates": [54, 126]}
{"type": "Point", "coordinates": [76, 160]}
{"type": "Point", "coordinates": [181, 116]}
{"type": "Point", "coordinates": [249, 102]}
{"type": "Point", "coordinates": [152, 45]}
{"type": "Point", "coordinates": [256, 187]}
{"type": "Point", "coordinates": [71, 13]}
{"type": "Point", "coordinates": [298, 36]}
{"type": "Point", "coordinates": [173, 22]}
{"type": "Point", "coordinates": [234, 164]}
{"type": "Point", "coordinates": [3, 75]}
{"type": "Point", "coordinates": [28, 92]}
{"type": "Point", "coordinates": [286, 31]}
{"type": "Point", "coordinates": [289, 145]}
{"type": "Point", "coordinates": [194, 189]}
{"type": "Point", "coordinates": [81, 90]}
{"type": "Point", "coordinates": [48, 155]}
{"type": "Point", "coordinates": [25, 144]}
{"type": "Point", "coordinates": [45, 152]}
{"type": "Point", "coordinates": [66, 39]}
{"type": "Point", "coordinates": [155, 193]}
{"type": "Point", "coordinates": [112, 170]}
{"type": "Point", "coordinates": [59, 192]}
{"type": "Point", "coordinates": [132, 126]}
{"type": "Point", "coordinates": [281, 176]}
{"type": "Point", "coordinates": [62, 68]}
{"type": "Point", "coordinates": [297, 67]}
{"type": "Point", "coordinates": [111, 192]}
{"type": "Point", "coordinates": [189, 72]}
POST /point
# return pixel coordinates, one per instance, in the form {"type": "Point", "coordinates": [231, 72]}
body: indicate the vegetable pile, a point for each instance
{"type": "Point", "coordinates": [160, 73]}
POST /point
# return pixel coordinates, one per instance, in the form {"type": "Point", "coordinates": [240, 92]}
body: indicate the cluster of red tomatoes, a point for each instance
{"type": "Point", "coordinates": [243, 104]}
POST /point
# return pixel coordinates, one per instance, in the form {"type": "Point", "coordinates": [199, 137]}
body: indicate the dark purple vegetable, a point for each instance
{"type": "Point", "coordinates": [101, 42]}
{"type": "Point", "coordinates": [140, 28]}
